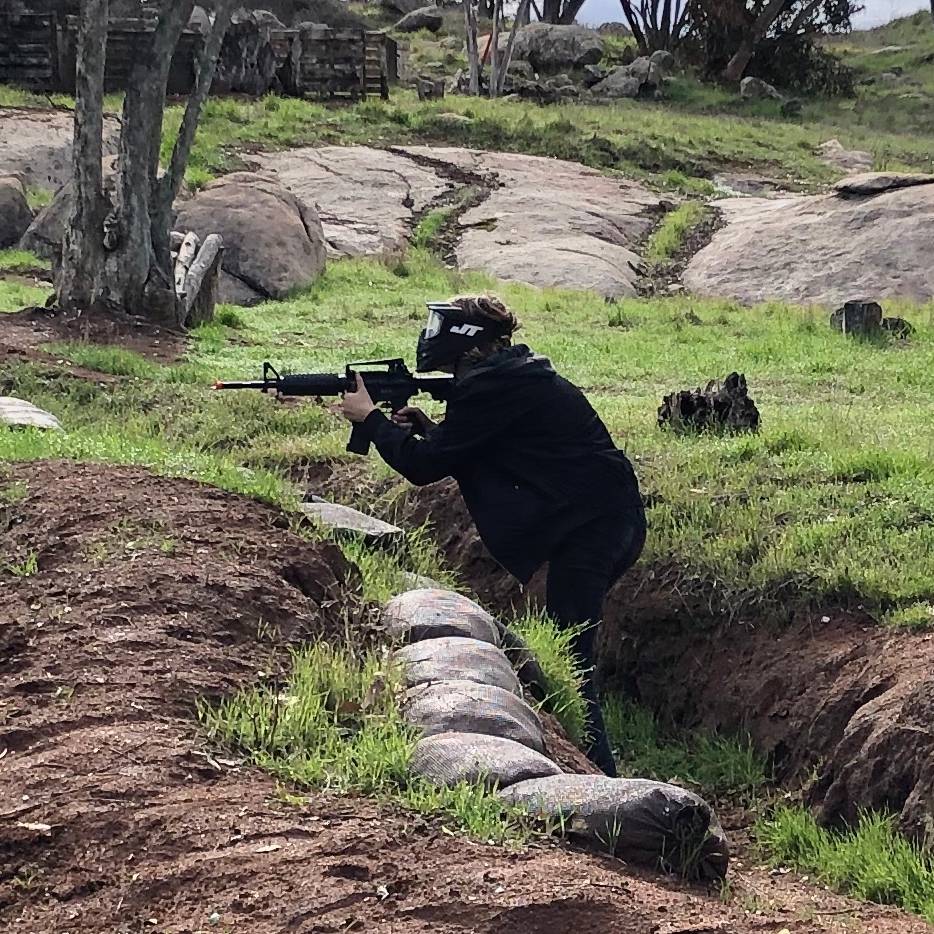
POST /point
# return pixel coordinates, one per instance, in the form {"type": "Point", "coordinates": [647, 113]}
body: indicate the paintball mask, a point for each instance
{"type": "Point", "coordinates": [450, 333]}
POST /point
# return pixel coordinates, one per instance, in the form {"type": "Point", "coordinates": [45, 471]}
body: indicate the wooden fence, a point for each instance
{"type": "Point", "coordinates": [39, 51]}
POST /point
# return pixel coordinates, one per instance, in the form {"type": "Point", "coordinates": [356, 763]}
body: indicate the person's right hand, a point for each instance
{"type": "Point", "coordinates": [414, 419]}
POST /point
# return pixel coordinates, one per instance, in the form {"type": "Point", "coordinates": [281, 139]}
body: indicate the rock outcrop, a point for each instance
{"type": "Point", "coordinates": [273, 240]}
{"type": "Point", "coordinates": [15, 214]}
{"type": "Point", "coordinates": [553, 49]}
{"type": "Point", "coordinates": [870, 236]}
{"type": "Point", "coordinates": [426, 17]}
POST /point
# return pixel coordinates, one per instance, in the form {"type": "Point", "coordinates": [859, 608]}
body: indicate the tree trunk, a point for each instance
{"type": "Point", "coordinates": [473, 52]}
{"type": "Point", "coordinates": [494, 41]}
{"type": "Point", "coordinates": [117, 255]}
{"type": "Point", "coordinates": [747, 47]}
{"type": "Point", "coordinates": [521, 15]}
{"type": "Point", "coordinates": [83, 245]}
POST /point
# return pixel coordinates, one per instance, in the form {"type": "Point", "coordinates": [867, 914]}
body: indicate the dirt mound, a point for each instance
{"type": "Point", "coordinates": [114, 816]}
{"type": "Point", "coordinates": [838, 690]}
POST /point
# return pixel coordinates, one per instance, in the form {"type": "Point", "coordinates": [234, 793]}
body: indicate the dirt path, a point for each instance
{"type": "Point", "coordinates": [114, 816]}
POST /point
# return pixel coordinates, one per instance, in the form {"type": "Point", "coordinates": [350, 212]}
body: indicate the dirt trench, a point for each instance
{"type": "Point", "coordinates": [842, 706]}
{"type": "Point", "coordinates": [115, 815]}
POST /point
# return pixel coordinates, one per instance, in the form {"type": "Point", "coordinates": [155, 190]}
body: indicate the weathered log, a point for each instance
{"type": "Point", "coordinates": [201, 284]}
{"type": "Point", "coordinates": [719, 406]}
{"type": "Point", "coordinates": [186, 256]}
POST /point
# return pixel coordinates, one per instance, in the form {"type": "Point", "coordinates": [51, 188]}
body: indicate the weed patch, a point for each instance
{"type": "Point", "coordinates": [719, 766]}
{"type": "Point", "coordinates": [871, 861]}
{"type": "Point", "coordinates": [670, 236]}
{"type": "Point", "coordinates": [554, 649]}
{"type": "Point", "coordinates": [336, 725]}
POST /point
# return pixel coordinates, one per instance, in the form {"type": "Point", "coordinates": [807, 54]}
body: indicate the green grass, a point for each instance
{"type": "Point", "coordinates": [553, 647]}
{"type": "Point", "coordinates": [912, 616]}
{"type": "Point", "coordinates": [335, 725]}
{"type": "Point", "coordinates": [659, 142]}
{"type": "Point", "coordinates": [831, 502]}
{"type": "Point", "coordinates": [15, 295]}
{"type": "Point", "coordinates": [669, 238]}
{"type": "Point", "coordinates": [871, 861]}
{"type": "Point", "coordinates": [113, 360]}
{"type": "Point", "coordinates": [22, 261]}
{"type": "Point", "coordinates": [722, 767]}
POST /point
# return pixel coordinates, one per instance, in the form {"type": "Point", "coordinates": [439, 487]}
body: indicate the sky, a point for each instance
{"type": "Point", "coordinates": [876, 13]}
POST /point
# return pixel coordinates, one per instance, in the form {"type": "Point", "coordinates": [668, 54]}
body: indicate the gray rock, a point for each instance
{"type": "Point", "coordinates": [642, 78]}
{"type": "Point", "coordinates": [19, 414]}
{"type": "Point", "coordinates": [833, 153]}
{"type": "Point", "coordinates": [791, 107]}
{"type": "Point", "coordinates": [199, 21]}
{"type": "Point", "coordinates": [257, 17]}
{"type": "Point", "coordinates": [823, 249]}
{"type": "Point", "coordinates": [874, 183]}
{"type": "Point", "coordinates": [15, 213]}
{"type": "Point", "coordinates": [348, 520]}
{"type": "Point", "coordinates": [755, 89]}
{"type": "Point", "coordinates": [426, 17]}
{"type": "Point", "coordinates": [663, 59]}
{"type": "Point", "coordinates": [593, 75]}
{"type": "Point", "coordinates": [273, 241]}
{"type": "Point", "coordinates": [552, 49]}
{"type": "Point", "coordinates": [521, 69]}
{"type": "Point", "coordinates": [234, 291]}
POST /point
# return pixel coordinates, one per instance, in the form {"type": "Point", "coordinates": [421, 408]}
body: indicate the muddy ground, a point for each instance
{"type": "Point", "coordinates": [115, 816]}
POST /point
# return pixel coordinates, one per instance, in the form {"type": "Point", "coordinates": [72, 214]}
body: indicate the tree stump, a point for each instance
{"type": "Point", "coordinates": [857, 317]}
{"type": "Point", "coordinates": [721, 407]}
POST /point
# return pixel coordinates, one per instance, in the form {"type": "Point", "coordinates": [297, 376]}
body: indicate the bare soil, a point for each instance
{"type": "Point", "coordinates": [23, 333]}
{"type": "Point", "coordinates": [116, 816]}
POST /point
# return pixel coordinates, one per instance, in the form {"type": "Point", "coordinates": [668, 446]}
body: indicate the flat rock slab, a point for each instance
{"type": "Point", "coordinates": [36, 144]}
{"type": "Point", "coordinates": [871, 237]}
{"type": "Point", "coordinates": [17, 413]}
{"type": "Point", "coordinates": [346, 519]}
{"type": "Point", "coordinates": [366, 198]}
{"type": "Point", "coordinates": [545, 222]}
{"type": "Point", "coordinates": [551, 223]}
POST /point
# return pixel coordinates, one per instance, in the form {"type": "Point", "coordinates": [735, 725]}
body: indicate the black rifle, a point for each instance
{"type": "Point", "coordinates": [391, 386]}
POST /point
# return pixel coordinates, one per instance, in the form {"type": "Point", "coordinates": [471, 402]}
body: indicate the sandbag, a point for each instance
{"type": "Point", "coordinates": [449, 758]}
{"type": "Point", "coordinates": [432, 614]}
{"type": "Point", "coordinates": [638, 820]}
{"type": "Point", "coordinates": [454, 658]}
{"type": "Point", "coordinates": [468, 707]}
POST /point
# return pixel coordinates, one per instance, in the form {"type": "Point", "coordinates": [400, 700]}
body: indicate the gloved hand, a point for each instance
{"type": "Point", "coordinates": [413, 419]}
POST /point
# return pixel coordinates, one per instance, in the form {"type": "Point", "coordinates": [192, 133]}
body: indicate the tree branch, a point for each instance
{"type": "Point", "coordinates": [507, 58]}
{"type": "Point", "coordinates": [207, 65]}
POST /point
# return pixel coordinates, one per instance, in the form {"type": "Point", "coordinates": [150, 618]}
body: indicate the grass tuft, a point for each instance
{"type": "Point", "coordinates": [335, 725]}
{"type": "Point", "coordinates": [553, 647]}
{"type": "Point", "coordinates": [12, 260]}
{"type": "Point", "coordinates": [671, 235]}
{"type": "Point", "coordinates": [871, 861]}
{"type": "Point", "coordinates": [719, 766]}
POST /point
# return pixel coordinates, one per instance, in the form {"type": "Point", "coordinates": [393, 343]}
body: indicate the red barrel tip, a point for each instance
{"type": "Point", "coordinates": [218, 384]}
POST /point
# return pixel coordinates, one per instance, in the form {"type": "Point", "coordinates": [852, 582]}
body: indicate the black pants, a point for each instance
{"type": "Point", "coordinates": [580, 572]}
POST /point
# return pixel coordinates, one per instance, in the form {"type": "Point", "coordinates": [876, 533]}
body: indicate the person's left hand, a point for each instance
{"type": "Point", "coordinates": [357, 405]}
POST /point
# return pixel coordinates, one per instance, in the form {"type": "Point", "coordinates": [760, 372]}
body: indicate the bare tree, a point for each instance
{"type": "Point", "coordinates": [658, 24]}
{"type": "Point", "coordinates": [116, 253]}
{"type": "Point", "coordinates": [521, 16]}
{"type": "Point", "coordinates": [473, 51]}
{"type": "Point", "coordinates": [560, 12]}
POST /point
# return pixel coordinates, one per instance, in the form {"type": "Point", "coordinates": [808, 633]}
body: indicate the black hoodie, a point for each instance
{"type": "Point", "coordinates": [532, 458]}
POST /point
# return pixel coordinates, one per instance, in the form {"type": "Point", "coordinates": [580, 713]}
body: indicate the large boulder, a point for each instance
{"type": "Point", "coordinates": [15, 214]}
{"type": "Point", "coordinates": [426, 17]}
{"type": "Point", "coordinates": [824, 249]}
{"type": "Point", "coordinates": [273, 241]}
{"type": "Point", "coordinates": [850, 160]}
{"type": "Point", "coordinates": [553, 49]}
{"type": "Point", "coordinates": [643, 78]}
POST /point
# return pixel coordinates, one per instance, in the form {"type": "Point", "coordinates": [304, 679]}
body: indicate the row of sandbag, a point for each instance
{"type": "Point", "coordinates": [465, 698]}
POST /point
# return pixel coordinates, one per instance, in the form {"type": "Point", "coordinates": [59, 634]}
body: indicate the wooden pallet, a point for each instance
{"type": "Point", "coordinates": [28, 50]}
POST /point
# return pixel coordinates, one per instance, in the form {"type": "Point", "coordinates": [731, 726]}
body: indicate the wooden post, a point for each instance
{"type": "Point", "coordinates": [186, 256]}
{"type": "Point", "coordinates": [201, 282]}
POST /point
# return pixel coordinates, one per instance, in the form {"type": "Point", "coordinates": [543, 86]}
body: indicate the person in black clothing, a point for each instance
{"type": "Point", "coordinates": [538, 470]}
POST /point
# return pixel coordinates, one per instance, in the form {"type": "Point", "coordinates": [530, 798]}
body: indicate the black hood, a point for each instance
{"type": "Point", "coordinates": [518, 361]}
